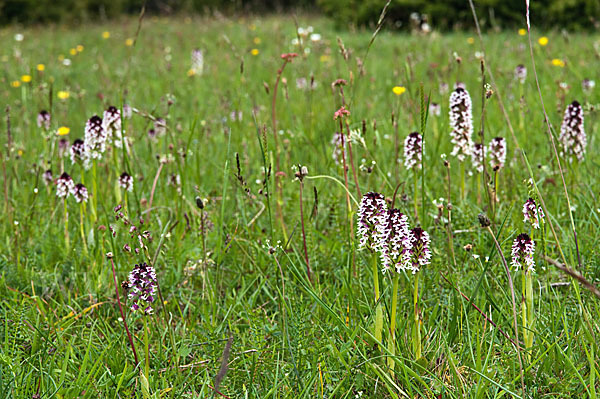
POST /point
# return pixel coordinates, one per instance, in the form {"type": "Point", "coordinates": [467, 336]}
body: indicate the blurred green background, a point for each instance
{"type": "Point", "coordinates": [438, 14]}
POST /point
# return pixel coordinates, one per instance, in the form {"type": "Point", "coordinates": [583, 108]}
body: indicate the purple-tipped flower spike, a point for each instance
{"type": "Point", "coordinates": [435, 109]}
{"type": "Point", "coordinates": [413, 151]}
{"type": "Point", "coordinates": [497, 153]}
{"type": "Point", "coordinates": [47, 176]}
{"type": "Point", "coordinates": [420, 254]}
{"type": "Point", "coordinates": [63, 147]}
{"type": "Point", "coordinates": [477, 155]}
{"type": "Point", "coordinates": [461, 122]}
{"type": "Point", "coordinates": [336, 143]}
{"type": "Point", "coordinates": [521, 73]}
{"type": "Point", "coordinates": [532, 213]}
{"type": "Point", "coordinates": [523, 249]}
{"type": "Point", "coordinates": [127, 111]}
{"type": "Point", "coordinates": [80, 193]}
{"type": "Point", "coordinates": [43, 120]}
{"type": "Point", "coordinates": [372, 208]}
{"type": "Point", "coordinates": [394, 240]}
{"type": "Point", "coordinates": [111, 121]}
{"type": "Point", "coordinates": [572, 135]}
{"type": "Point", "coordinates": [95, 137]}
{"type": "Point", "coordinates": [160, 127]}
{"type": "Point", "coordinates": [588, 85]}
{"type": "Point", "coordinates": [64, 185]}
{"type": "Point", "coordinates": [141, 285]}
{"type": "Point", "coordinates": [126, 181]}
{"type": "Point", "coordinates": [79, 154]}
{"type": "Point", "coordinates": [197, 62]}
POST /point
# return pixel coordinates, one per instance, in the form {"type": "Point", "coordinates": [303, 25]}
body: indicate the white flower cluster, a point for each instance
{"type": "Point", "coordinates": [532, 213]}
{"type": "Point", "coordinates": [461, 122]}
{"type": "Point", "coordinates": [95, 137]}
{"type": "Point", "coordinates": [572, 135]}
{"type": "Point", "coordinates": [497, 152]}
{"type": "Point", "coordinates": [477, 156]}
{"type": "Point", "coordinates": [413, 151]}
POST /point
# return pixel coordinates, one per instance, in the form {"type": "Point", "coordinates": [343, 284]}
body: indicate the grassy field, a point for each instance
{"type": "Point", "coordinates": [230, 228]}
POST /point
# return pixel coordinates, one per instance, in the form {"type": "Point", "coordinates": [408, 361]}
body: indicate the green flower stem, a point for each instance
{"type": "Point", "coordinates": [67, 241]}
{"type": "Point", "coordinates": [392, 341]}
{"type": "Point", "coordinates": [417, 334]}
{"type": "Point", "coordinates": [146, 348]}
{"type": "Point", "coordinates": [81, 226]}
{"type": "Point", "coordinates": [379, 307]}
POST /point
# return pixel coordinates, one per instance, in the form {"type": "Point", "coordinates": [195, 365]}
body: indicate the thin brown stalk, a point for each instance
{"type": "Point", "coordinates": [121, 310]}
{"type": "Point", "coordinates": [575, 274]}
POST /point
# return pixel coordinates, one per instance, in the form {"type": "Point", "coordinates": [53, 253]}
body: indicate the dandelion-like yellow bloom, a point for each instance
{"type": "Point", "coordinates": [79, 48]}
{"type": "Point", "coordinates": [257, 40]}
{"type": "Point", "coordinates": [73, 51]}
{"type": "Point", "coordinates": [105, 34]}
{"type": "Point", "coordinates": [558, 62]}
{"type": "Point", "coordinates": [254, 51]}
{"type": "Point", "coordinates": [20, 152]}
{"type": "Point", "coordinates": [63, 95]}
{"type": "Point", "coordinates": [63, 131]}
{"type": "Point", "coordinates": [543, 41]}
{"type": "Point", "coordinates": [26, 78]}
{"type": "Point", "coordinates": [191, 72]}
{"type": "Point", "coordinates": [324, 58]}
{"type": "Point", "coordinates": [61, 58]}
{"type": "Point", "coordinates": [470, 40]}
{"type": "Point", "coordinates": [129, 42]}
{"type": "Point", "coordinates": [522, 32]}
{"type": "Point", "coordinates": [15, 83]}
{"type": "Point", "coordinates": [40, 67]}
{"type": "Point", "coordinates": [398, 90]}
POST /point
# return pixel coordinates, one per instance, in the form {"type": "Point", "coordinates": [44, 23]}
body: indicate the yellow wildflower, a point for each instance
{"type": "Point", "coordinates": [26, 78]}
{"type": "Point", "coordinates": [79, 48]}
{"type": "Point", "coordinates": [73, 51]}
{"type": "Point", "coordinates": [398, 90]}
{"type": "Point", "coordinates": [558, 62]}
{"type": "Point", "coordinates": [129, 42]}
{"type": "Point", "coordinates": [63, 95]}
{"type": "Point", "coordinates": [20, 152]}
{"type": "Point", "coordinates": [105, 34]}
{"type": "Point", "coordinates": [543, 41]}
{"type": "Point", "coordinates": [40, 67]}
{"type": "Point", "coordinates": [522, 32]}
{"type": "Point", "coordinates": [254, 51]}
{"type": "Point", "coordinates": [324, 58]}
{"type": "Point", "coordinates": [191, 72]}
{"type": "Point", "coordinates": [470, 40]}
{"type": "Point", "coordinates": [61, 58]}
{"type": "Point", "coordinates": [257, 40]}
{"type": "Point", "coordinates": [15, 83]}
{"type": "Point", "coordinates": [63, 131]}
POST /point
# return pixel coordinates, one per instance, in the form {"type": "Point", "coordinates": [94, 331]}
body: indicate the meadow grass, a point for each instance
{"type": "Point", "coordinates": [240, 317]}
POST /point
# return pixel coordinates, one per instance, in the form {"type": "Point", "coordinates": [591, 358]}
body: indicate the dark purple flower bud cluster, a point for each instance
{"type": "Point", "coordinates": [522, 252]}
